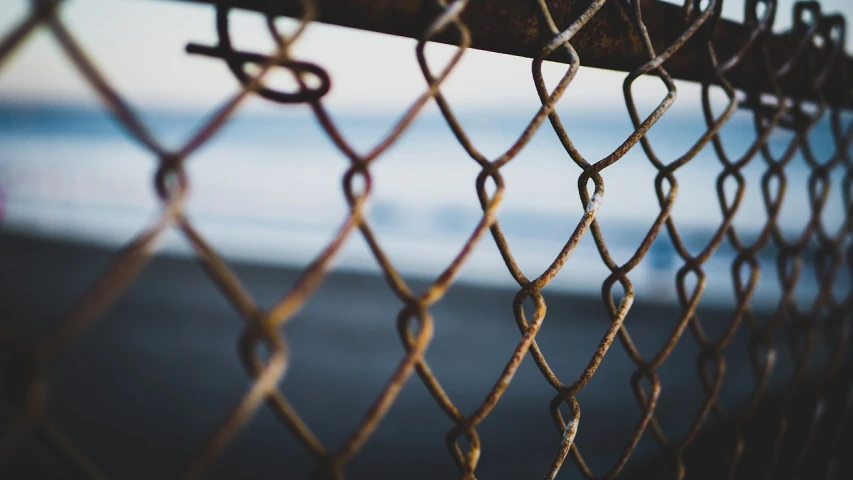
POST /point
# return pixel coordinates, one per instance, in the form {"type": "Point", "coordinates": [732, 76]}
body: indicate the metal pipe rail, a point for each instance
{"type": "Point", "coordinates": [611, 41]}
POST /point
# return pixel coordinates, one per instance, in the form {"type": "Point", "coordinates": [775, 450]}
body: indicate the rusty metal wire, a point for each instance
{"type": "Point", "coordinates": [263, 346]}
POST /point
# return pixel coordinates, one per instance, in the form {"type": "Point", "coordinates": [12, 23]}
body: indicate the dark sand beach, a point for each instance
{"type": "Point", "coordinates": [145, 386]}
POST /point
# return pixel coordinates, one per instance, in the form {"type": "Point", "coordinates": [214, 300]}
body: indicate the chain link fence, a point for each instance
{"type": "Point", "coordinates": [797, 430]}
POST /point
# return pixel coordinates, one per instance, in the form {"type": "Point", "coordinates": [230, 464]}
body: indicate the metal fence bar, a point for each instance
{"type": "Point", "coordinates": [609, 40]}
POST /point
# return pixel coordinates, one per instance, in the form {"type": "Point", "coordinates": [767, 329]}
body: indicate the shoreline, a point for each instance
{"type": "Point", "coordinates": [166, 351]}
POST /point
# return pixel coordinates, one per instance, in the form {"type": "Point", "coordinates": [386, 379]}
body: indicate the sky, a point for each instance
{"type": "Point", "coordinates": [139, 45]}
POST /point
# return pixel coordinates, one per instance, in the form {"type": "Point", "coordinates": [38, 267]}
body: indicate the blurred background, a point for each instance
{"type": "Point", "coordinates": [266, 193]}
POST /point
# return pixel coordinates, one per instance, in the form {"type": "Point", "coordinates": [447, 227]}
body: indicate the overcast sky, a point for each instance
{"type": "Point", "coordinates": [139, 44]}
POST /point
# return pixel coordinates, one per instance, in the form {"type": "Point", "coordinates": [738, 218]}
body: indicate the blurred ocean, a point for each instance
{"type": "Point", "coordinates": [267, 189]}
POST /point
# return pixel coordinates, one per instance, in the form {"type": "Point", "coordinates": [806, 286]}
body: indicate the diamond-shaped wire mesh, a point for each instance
{"type": "Point", "coordinates": [804, 425]}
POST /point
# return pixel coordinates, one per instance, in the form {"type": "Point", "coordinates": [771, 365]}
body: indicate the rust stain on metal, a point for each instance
{"type": "Point", "coordinates": [609, 40]}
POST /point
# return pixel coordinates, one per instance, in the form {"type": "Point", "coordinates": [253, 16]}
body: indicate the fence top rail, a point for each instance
{"type": "Point", "coordinates": [610, 39]}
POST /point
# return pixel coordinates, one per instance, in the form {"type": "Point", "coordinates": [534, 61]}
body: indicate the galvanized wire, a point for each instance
{"type": "Point", "coordinates": [263, 345]}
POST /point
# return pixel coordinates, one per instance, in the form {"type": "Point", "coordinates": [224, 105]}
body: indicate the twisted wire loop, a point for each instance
{"type": "Point", "coordinates": [797, 433]}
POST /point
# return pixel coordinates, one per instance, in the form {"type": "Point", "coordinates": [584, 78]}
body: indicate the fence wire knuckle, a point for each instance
{"type": "Point", "coordinates": [789, 82]}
